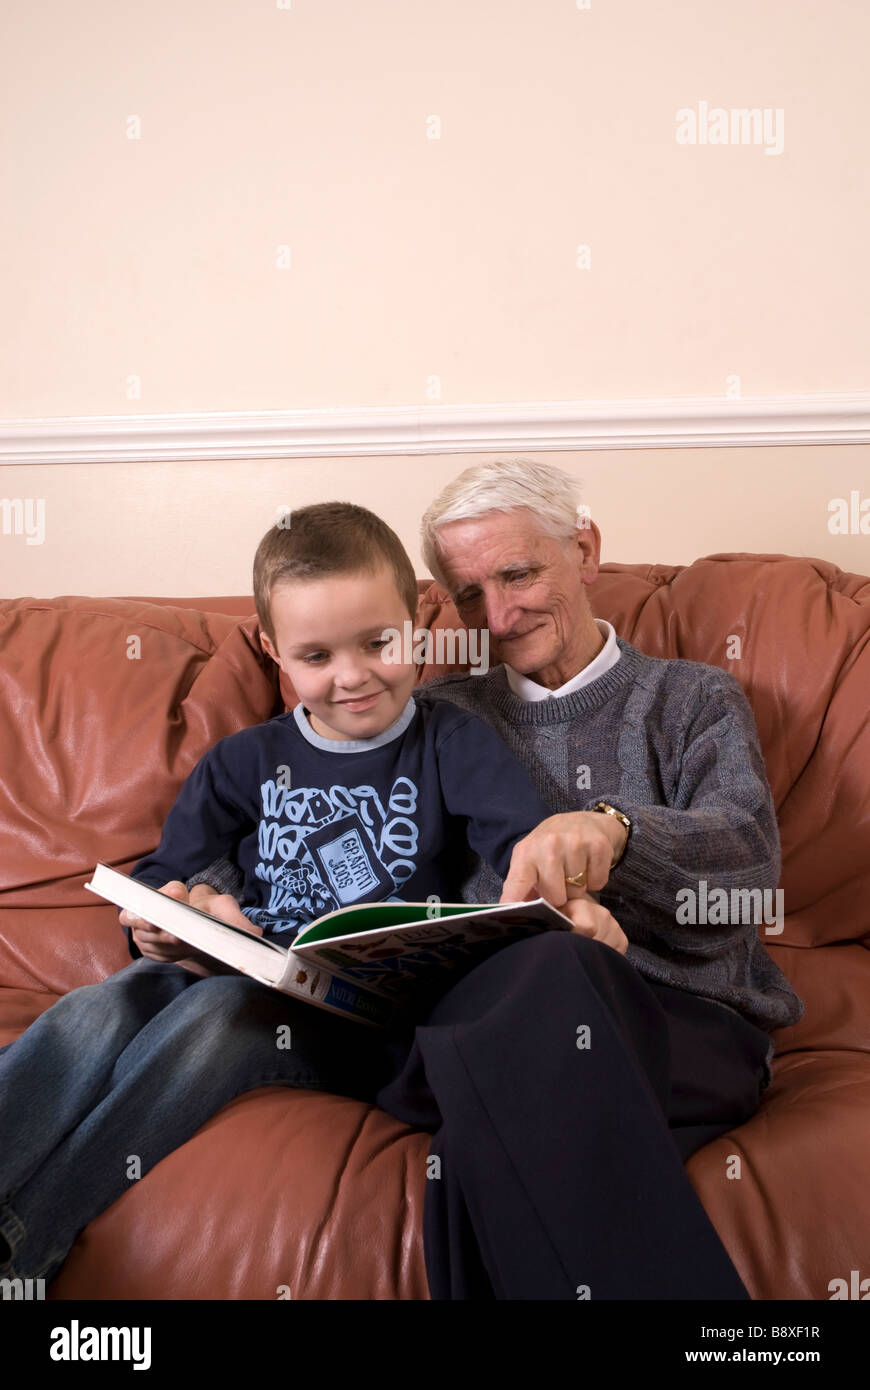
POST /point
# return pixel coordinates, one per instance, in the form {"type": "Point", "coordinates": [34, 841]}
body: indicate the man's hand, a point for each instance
{"type": "Point", "coordinates": [593, 920]}
{"type": "Point", "coordinates": [559, 848]}
{"type": "Point", "coordinates": [160, 945]}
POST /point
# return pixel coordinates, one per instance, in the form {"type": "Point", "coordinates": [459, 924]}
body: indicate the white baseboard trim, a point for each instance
{"type": "Point", "coordinates": [682, 423]}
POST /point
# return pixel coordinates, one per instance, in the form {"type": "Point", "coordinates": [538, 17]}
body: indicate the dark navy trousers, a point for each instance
{"type": "Point", "coordinates": [556, 1169]}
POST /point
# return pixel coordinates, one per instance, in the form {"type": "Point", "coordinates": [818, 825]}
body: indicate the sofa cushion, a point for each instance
{"type": "Point", "coordinates": [109, 704]}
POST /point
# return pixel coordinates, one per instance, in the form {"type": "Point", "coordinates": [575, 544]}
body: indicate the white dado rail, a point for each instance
{"type": "Point", "coordinates": [690, 422]}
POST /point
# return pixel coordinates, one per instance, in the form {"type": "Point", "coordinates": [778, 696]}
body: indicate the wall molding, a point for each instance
{"type": "Point", "coordinates": [681, 423]}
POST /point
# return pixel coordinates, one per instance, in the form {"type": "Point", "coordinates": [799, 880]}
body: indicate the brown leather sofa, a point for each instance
{"type": "Point", "coordinates": [323, 1193]}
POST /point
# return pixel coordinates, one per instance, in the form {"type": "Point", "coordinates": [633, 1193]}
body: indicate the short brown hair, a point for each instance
{"type": "Point", "coordinates": [323, 539]}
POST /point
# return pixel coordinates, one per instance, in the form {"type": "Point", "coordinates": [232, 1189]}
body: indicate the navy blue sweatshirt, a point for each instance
{"type": "Point", "coordinates": [316, 824]}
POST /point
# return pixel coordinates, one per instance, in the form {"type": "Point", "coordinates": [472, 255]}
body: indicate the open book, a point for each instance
{"type": "Point", "coordinates": [375, 962]}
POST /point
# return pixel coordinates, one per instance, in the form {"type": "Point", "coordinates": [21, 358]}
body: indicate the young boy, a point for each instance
{"type": "Point", "coordinates": [362, 793]}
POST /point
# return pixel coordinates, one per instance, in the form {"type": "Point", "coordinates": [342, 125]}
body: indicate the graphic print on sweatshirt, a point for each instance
{"type": "Point", "coordinates": [325, 849]}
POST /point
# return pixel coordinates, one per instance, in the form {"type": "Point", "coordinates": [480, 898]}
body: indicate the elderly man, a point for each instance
{"type": "Point", "coordinates": [562, 1172]}
{"type": "Point", "coordinates": [655, 772]}
{"type": "Point", "coordinates": [566, 1082]}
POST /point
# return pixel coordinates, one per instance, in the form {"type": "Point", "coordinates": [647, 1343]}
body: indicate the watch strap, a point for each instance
{"type": "Point", "coordinates": [606, 809]}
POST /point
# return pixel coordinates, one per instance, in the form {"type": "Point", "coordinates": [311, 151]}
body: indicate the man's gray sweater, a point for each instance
{"type": "Point", "coordinates": [673, 744]}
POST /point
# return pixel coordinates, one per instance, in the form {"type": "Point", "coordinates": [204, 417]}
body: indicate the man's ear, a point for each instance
{"type": "Point", "coordinates": [589, 545]}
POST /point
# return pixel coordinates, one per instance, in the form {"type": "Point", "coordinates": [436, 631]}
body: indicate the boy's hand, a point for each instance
{"type": "Point", "coordinates": [152, 942]}
{"type": "Point", "coordinates": [221, 905]}
{"type": "Point", "coordinates": [160, 945]}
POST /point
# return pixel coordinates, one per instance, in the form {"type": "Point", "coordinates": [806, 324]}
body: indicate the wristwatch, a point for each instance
{"type": "Point", "coordinates": [623, 820]}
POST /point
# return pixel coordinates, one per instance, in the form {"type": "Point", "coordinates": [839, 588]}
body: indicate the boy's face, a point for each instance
{"type": "Point", "coordinates": [328, 642]}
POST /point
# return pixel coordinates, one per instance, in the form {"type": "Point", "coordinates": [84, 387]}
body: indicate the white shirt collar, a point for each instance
{"type": "Point", "coordinates": [608, 656]}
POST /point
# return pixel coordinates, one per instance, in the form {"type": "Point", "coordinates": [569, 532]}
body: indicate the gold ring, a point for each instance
{"type": "Point", "coordinates": [577, 880]}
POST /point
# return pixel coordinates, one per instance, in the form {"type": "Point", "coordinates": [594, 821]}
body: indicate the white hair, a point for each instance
{"type": "Point", "coordinates": [503, 485]}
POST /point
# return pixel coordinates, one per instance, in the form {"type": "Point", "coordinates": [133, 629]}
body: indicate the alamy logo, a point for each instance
{"type": "Point", "coordinates": [719, 908]}
{"type": "Point", "coordinates": [446, 646]}
{"type": "Point", "coordinates": [741, 125]}
{"type": "Point", "coordinates": [75, 1343]}
{"type": "Point", "coordinates": [855, 1288]}
{"type": "Point", "coordinates": [22, 1288]}
{"type": "Point", "coordinates": [23, 516]}
{"type": "Point", "coordinates": [849, 518]}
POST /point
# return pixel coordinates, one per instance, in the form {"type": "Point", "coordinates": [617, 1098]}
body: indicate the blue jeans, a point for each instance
{"type": "Point", "coordinates": [134, 1066]}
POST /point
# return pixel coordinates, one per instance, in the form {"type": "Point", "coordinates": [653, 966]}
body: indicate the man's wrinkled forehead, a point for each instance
{"type": "Point", "coordinates": [491, 551]}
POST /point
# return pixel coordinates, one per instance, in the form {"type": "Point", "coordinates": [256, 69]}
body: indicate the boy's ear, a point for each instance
{"type": "Point", "coordinates": [268, 648]}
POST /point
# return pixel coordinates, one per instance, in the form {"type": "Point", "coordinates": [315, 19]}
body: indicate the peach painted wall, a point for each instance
{"type": "Point", "coordinates": [227, 206]}
{"type": "Point", "coordinates": [157, 158]}
{"type": "Point", "coordinates": [189, 529]}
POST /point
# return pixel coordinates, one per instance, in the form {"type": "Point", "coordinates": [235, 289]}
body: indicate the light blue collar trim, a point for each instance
{"type": "Point", "coordinates": [355, 745]}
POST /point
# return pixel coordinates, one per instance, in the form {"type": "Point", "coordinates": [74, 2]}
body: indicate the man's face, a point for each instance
{"type": "Point", "coordinates": [328, 638]}
{"type": "Point", "coordinates": [526, 587]}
